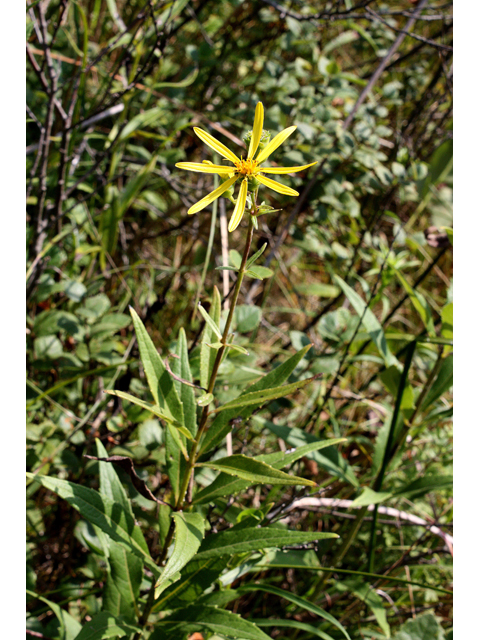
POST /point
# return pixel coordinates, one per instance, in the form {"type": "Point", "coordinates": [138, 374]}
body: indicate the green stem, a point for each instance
{"type": "Point", "coordinates": [204, 417]}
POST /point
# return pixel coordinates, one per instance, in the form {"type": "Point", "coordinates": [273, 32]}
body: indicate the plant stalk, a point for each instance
{"type": "Point", "coordinates": [204, 417]}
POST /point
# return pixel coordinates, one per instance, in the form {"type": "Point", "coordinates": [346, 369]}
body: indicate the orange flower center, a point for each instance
{"type": "Point", "coordinates": [246, 167]}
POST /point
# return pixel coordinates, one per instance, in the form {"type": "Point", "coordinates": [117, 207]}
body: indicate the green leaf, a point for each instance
{"type": "Point", "coordinates": [330, 459]}
{"type": "Point", "coordinates": [231, 542]}
{"type": "Point", "coordinates": [424, 485]}
{"type": "Point", "coordinates": [196, 577]}
{"type": "Point", "coordinates": [189, 533]}
{"type": "Point", "coordinates": [211, 323]}
{"type": "Point", "coordinates": [102, 512]}
{"type": "Point", "coordinates": [186, 393]}
{"type": "Point", "coordinates": [48, 347]}
{"type": "Point", "coordinates": [391, 377]}
{"type": "Point", "coordinates": [442, 383]}
{"type": "Point", "coordinates": [292, 624]}
{"type": "Point", "coordinates": [221, 425]}
{"type": "Point", "coordinates": [319, 289]}
{"type": "Point", "coordinates": [225, 485]}
{"type": "Point", "coordinates": [235, 258]}
{"type": "Point", "coordinates": [74, 290]}
{"type": "Point", "coordinates": [110, 324]}
{"type": "Point", "coordinates": [68, 626]}
{"type": "Point", "coordinates": [123, 583]}
{"type": "Point", "coordinates": [110, 485]}
{"type": "Point", "coordinates": [141, 121]}
{"type": "Point", "coordinates": [369, 321]}
{"type": "Point", "coordinates": [256, 255]}
{"type": "Point", "coordinates": [105, 625]}
{"type": "Point", "coordinates": [155, 409]}
{"type": "Point", "coordinates": [218, 621]}
{"type": "Point", "coordinates": [259, 273]}
{"type": "Point", "coordinates": [208, 355]}
{"type": "Point", "coordinates": [366, 594]}
{"type": "Point", "coordinates": [159, 380]}
{"type": "Point", "coordinates": [247, 317]}
{"type": "Point", "coordinates": [299, 601]}
{"type": "Point", "coordinates": [420, 304]}
{"type": "Point", "coordinates": [425, 627]}
{"type": "Point", "coordinates": [369, 496]}
{"type": "Point", "coordinates": [304, 559]}
{"type": "Point", "coordinates": [259, 398]}
{"type": "Point", "coordinates": [447, 321]}
{"type": "Point", "coordinates": [186, 82]}
{"type": "Point", "coordinates": [164, 393]}
{"type": "Point", "coordinates": [205, 400]}
{"type": "Point", "coordinates": [225, 269]}
{"type": "Point", "coordinates": [178, 442]}
{"type": "Point", "coordinates": [346, 37]}
{"type": "Point", "coordinates": [254, 471]}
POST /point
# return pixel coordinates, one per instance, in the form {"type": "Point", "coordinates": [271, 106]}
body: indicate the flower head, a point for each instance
{"type": "Point", "coordinates": [247, 170]}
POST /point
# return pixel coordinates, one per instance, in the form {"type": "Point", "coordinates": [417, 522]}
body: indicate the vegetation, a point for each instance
{"type": "Point", "coordinates": [239, 433]}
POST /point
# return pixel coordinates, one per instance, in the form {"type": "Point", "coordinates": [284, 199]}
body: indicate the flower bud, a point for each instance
{"type": "Point", "coordinates": [264, 139]}
{"type": "Point", "coordinates": [253, 183]}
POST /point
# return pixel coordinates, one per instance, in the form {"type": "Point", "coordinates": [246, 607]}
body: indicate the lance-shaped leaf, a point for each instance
{"type": "Point", "coordinates": [210, 333]}
{"type": "Point", "coordinates": [299, 601]}
{"type": "Point", "coordinates": [256, 255]}
{"type": "Point", "coordinates": [225, 485]}
{"type": "Point", "coordinates": [189, 532]}
{"type": "Point", "coordinates": [221, 425]}
{"type": "Point", "coordinates": [155, 409]}
{"type": "Point", "coordinates": [231, 542]}
{"type": "Point", "coordinates": [211, 323]}
{"type": "Point", "coordinates": [218, 621]}
{"type": "Point", "coordinates": [370, 322]}
{"type": "Point", "coordinates": [122, 588]}
{"type": "Point", "coordinates": [181, 367]}
{"type": "Point", "coordinates": [197, 576]}
{"type": "Point", "coordinates": [254, 471]}
{"type": "Point", "coordinates": [110, 485]}
{"type": "Point", "coordinates": [127, 465]}
{"type": "Point", "coordinates": [261, 397]}
{"type": "Point", "coordinates": [292, 624]}
{"type": "Point", "coordinates": [177, 439]}
{"type": "Point", "coordinates": [105, 625]}
{"type": "Point", "coordinates": [370, 597]}
{"type": "Point", "coordinates": [99, 510]}
{"type": "Point", "coordinates": [159, 380]}
{"type": "Point", "coordinates": [330, 459]}
{"type": "Point", "coordinates": [421, 305]}
{"type": "Point", "coordinates": [442, 383]}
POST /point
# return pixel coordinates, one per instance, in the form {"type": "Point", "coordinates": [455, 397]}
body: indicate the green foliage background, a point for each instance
{"type": "Point", "coordinates": [362, 268]}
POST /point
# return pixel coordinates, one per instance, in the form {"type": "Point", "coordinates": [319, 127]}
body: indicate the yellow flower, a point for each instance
{"type": "Point", "coordinates": [247, 169]}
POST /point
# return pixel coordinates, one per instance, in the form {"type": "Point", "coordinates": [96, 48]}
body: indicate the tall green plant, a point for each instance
{"type": "Point", "coordinates": [190, 558]}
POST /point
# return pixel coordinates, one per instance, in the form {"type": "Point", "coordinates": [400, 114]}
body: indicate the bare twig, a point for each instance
{"type": "Point", "coordinates": [334, 503]}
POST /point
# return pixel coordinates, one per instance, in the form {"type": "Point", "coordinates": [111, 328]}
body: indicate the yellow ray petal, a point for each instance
{"type": "Point", "coordinates": [200, 167]}
{"type": "Point", "coordinates": [279, 170]}
{"type": "Point", "coordinates": [257, 130]}
{"type": "Point", "coordinates": [216, 145]}
{"type": "Point", "coordinates": [276, 186]}
{"type": "Point", "coordinates": [239, 207]}
{"type": "Point", "coordinates": [273, 144]}
{"type": "Point", "coordinates": [201, 204]}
